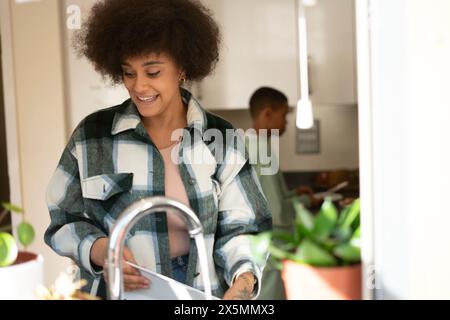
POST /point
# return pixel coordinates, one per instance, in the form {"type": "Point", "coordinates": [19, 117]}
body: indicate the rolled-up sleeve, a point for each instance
{"type": "Point", "coordinates": [71, 232]}
{"type": "Point", "coordinates": [243, 211]}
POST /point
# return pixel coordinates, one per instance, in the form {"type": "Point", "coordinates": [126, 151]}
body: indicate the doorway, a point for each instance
{"type": "Point", "coordinates": [4, 180]}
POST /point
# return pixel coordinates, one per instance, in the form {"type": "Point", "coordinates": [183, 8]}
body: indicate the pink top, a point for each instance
{"type": "Point", "coordinates": [174, 188]}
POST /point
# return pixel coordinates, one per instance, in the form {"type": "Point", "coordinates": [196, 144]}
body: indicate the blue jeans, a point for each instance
{"type": "Point", "coordinates": [179, 268]}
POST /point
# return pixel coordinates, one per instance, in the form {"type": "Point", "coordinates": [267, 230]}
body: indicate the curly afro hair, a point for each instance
{"type": "Point", "coordinates": [120, 29]}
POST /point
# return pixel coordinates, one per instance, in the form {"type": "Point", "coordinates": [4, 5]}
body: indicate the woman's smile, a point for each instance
{"type": "Point", "coordinates": [147, 100]}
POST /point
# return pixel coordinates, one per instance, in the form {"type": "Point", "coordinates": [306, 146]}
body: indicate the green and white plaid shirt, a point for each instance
{"type": "Point", "coordinates": [110, 162]}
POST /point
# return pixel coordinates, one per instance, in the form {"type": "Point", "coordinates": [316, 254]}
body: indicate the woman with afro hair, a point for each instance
{"type": "Point", "coordinates": [147, 146]}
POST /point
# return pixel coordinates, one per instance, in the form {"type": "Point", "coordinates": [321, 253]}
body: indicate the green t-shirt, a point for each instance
{"type": "Point", "coordinates": [278, 196]}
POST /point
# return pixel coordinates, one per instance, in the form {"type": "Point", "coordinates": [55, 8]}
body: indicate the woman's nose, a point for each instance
{"type": "Point", "coordinates": [140, 84]}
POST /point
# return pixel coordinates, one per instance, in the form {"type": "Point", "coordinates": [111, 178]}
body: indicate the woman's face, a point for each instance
{"type": "Point", "coordinates": [153, 83]}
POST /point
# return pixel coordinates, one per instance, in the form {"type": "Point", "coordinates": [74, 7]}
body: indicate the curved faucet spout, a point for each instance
{"type": "Point", "coordinates": [129, 218]}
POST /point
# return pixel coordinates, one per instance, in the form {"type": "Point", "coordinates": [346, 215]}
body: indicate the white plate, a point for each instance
{"type": "Point", "coordinates": [331, 196]}
{"type": "Point", "coordinates": [164, 288]}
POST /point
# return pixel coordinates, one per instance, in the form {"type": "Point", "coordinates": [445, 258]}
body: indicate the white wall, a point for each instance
{"type": "Point", "coordinates": [87, 91]}
{"type": "Point", "coordinates": [429, 47]}
{"type": "Point", "coordinates": [38, 104]}
{"type": "Point", "coordinates": [339, 138]}
{"type": "Point", "coordinates": [408, 113]}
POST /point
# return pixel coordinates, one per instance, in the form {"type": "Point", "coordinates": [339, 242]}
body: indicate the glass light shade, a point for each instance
{"type": "Point", "coordinates": [305, 118]}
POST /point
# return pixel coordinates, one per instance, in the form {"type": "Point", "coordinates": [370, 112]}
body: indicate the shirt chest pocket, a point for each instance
{"type": "Point", "coordinates": [103, 187]}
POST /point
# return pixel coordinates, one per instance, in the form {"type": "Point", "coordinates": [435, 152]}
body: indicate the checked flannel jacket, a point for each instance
{"type": "Point", "coordinates": [110, 162]}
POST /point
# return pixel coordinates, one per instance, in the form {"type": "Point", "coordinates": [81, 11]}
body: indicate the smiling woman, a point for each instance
{"type": "Point", "coordinates": [153, 84]}
{"type": "Point", "coordinates": [119, 155]}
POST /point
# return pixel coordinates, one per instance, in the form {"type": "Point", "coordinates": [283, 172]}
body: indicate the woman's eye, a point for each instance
{"type": "Point", "coordinates": [128, 74]}
{"type": "Point", "coordinates": [153, 74]}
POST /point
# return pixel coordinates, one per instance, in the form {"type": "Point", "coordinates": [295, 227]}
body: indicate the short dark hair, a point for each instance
{"type": "Point", "coordinates": [266, 97]}
{"type": "Point", "coordinates": [117, 30]}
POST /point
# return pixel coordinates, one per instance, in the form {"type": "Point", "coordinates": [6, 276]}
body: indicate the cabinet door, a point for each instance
{"type": "Point", "coordinates": [259, 49]}
{"type": "Point", "coordinates": [332, 53]}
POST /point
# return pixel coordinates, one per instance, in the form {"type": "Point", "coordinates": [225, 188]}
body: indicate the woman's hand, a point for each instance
{"type": "Point", "coordinates": [242, 288]}
{"type": "Point", "coordinates": [132, 278]}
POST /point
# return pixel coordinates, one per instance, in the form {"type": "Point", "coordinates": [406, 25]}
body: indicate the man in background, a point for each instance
{"type": "Point", "coordinates": [269, 109]}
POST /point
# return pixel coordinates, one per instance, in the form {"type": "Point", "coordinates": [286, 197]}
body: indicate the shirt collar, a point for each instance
{"type": "Point", "coordinates": [129, 118]}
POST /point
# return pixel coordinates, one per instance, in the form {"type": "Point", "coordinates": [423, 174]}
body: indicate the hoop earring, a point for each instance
{"type": "Point", "coordinates": [183, 80]}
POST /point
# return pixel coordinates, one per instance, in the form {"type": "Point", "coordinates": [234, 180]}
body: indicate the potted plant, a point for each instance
{"type": "Point", "coordinates": [321, 259]}
{"type": "Point", "coordinates": [20, 271]}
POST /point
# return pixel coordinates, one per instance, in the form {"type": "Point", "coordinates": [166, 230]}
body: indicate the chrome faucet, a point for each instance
{"type": "Point", "coordinates": [126, 221]}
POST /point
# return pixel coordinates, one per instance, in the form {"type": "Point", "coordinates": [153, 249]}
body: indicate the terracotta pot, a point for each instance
{"type": "Point", "coordinates": [304, 282]}
{"type": "Point", "coordinates": [20, 280]}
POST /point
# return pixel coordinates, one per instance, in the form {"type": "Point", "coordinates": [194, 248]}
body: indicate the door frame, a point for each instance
{"type": "Point", "coordinates": [9, 91]}
{"type": "Point", "coordinates": [366, 144]}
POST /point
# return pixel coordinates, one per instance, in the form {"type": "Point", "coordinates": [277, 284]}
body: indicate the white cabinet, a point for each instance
{"type": "Point", "coordinates": [260, 48]}
{"type": "Point", "coordinates": [331, 48]}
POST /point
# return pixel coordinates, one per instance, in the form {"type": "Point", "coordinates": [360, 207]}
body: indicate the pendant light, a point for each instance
{"type": "Point", "coordinates": [305, 116]}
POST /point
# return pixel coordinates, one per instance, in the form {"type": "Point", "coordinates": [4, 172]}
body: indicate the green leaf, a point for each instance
{"type": "Point", "coordinates": [300, 233]}
{"type": "Point", "coordinates": [303, 217]}
{"type": "Point", "coordinates": [12, 208]}
{"type": "Point", "coordinates": [357, 234]}
{"type": "Point", "coordinates": [26, 233]}
{"type": "Point", "coordinates": [351, 251]}
{"type": "Point", "coordinates": [341, 234]}
{"type": "Point", "coordinates": [283, 236]}
{"type": "Point", "coordinates": [356, 223]}
{"type": "Point", "coordinates": [279, 254]}
{"type": "Point", "coordinates": [325, 220]}
{"type": "Point", "coordinates": [8, 249]}
{"type": "Point", "coordinates": [348, 252]}
{"type": "Point", "coordinates": [284, 240]}
{"type": "Point", "coordinates": [278, 265]}
{"type": "Point", "coordinates": [259, 245]}
{"type": "Point", "coordinates": [356, 239]}
{"type": "Point", "coordinates": [347, 222]}
{"type": "Point", "coordinates": [329, 244]}
{"type": "Point", "coordinates": [310, 253]}
{"type": "Point", "coordinates": [304, 222]}
{"type": "Point", "coordinates": [344, 214]}
{"type": "Point", "coordinates": [352, 215]}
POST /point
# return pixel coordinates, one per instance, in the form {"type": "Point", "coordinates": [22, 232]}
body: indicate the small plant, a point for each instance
{"type": "Point", "coordinates": [8, 246]}
{"type": "Point", "coordinates": [66, 287]}
{"type": "Point", "coordinates": [325, 240]}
